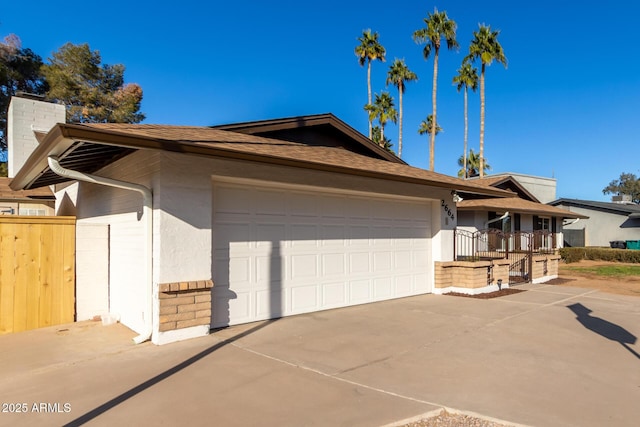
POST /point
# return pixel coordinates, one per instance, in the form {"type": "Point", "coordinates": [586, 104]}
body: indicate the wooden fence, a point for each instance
{"type": "Point", "coordinates": [37, 272]}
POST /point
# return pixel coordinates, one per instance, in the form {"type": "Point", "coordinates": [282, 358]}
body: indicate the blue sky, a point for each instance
{"type": "Point", "coordinates": [565, 107]}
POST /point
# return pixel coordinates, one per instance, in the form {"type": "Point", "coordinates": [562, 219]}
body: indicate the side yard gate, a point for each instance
{"type": "Point", "coordinates": [37, 272]}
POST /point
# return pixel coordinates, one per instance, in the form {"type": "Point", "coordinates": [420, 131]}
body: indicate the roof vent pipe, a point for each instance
{"type": "Point", "coordinates": [573, 221]}
{"type": "Point", "coordinates": [506, 215]}
{"type": "Point", "coordinates": [147, 196]}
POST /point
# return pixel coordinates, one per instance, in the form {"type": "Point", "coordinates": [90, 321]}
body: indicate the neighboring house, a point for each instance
{"type": "Point", "coordinates": [316, 217]}
{"type": "Point", "coordinates": [40, 201]}
{"type": "Point", "coordinates": [607, 222]}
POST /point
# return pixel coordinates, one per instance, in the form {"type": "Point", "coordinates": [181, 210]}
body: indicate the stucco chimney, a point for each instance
{"type": "Point", "coordinates": [27, 115]}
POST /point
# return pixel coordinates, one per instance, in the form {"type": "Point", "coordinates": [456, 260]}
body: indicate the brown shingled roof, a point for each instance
{"type": "Point", "coordinates": [88, 147]}
{"type": "Point", "coordinates": [7, 194]}
{"type": "Point", "coordinates": [516, 205]}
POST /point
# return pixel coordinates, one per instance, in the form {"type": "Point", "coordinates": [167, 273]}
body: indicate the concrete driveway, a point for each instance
{"type": "Point", "coordinates": [551, 356]}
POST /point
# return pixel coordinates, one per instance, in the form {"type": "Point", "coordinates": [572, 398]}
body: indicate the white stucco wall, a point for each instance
{"type": "Point", "coordinates": [121, 211]}
{"type": "Point", "coordinates": [92, 270]}
{"type": "Point", "coordinates": [604, 227]}
{"type": "Point", "coordinates": [184, 217]}
{"type": "Point", "coordinates": [444, 219]}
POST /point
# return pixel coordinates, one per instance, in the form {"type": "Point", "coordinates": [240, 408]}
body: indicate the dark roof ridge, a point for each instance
{"type": "Point", "coordinates": [607, 206]}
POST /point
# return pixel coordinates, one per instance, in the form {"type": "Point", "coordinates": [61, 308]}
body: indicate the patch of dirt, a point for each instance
{"type": "Point", "coordinates": [623, 285]}
{"type": "Point", "coordinates": [488, 295]}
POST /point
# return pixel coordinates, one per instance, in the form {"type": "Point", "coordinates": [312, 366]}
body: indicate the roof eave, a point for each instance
{"type": "Point", "coordinates": [63, 136]}
{"type": "Point", "coordinates": [563, 214]}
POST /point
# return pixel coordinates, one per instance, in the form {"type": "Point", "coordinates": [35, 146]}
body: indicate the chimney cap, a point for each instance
{"type": "Point", "coordinates": [27, 95]}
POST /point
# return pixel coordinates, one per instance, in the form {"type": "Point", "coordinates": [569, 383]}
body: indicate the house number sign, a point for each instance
{"type": "Point", "coordinates": [447, 210]}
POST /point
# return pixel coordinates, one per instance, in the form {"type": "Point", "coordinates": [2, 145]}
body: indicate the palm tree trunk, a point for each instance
{"type": "Point", "coordinates": [432, 140]}
{"type": "Point", "coordinates": [482, 122]}
{"type": "Point", "coordinates": [381, 135]}
{"type": "Point", "coordinates": [400, 124]}
{"type": "Point", "coordinates": [466, 131]}
{"type": "Point", "coordinates": [369, 95]}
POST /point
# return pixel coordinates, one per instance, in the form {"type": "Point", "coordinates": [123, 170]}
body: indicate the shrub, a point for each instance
{"type": "Point", "coordinates": [570, 255]}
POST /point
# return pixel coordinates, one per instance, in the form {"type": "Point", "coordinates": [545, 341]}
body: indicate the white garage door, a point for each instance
{"type": "Point", "coordinates": [281, 252]}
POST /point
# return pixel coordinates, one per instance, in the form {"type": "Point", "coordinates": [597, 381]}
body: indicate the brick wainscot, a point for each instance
{"type": "Point", "coordinates": [185, 304]}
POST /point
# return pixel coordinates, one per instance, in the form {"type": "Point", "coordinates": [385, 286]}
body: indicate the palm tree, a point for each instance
{"type": "Point", "coordinates": [398, 74]}
{"type": "Point", "coordinates": [473, 165]}
{"type": "Point", "coordinates": [369, 50]}
{"type": "Point", "coordinates": [467, 78]}
{"type": "Point", "coordinates": [428, 126]}
{"type": "Point", "coordinates": [438, 25]}
{"type": "Point", "coordinates": [384, 110]}
{"type": "Point", "coordinates": [378, 139]}
{"type": "Point", "coordinates": [485, 46]}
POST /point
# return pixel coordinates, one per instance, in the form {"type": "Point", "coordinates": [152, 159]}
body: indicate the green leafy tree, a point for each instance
{"type": "Point", "coordinates": [92, 92]}
{"type": "Point", "coordinates": [467, 78]}
{"type": "Point", "coordinates": [19, 71]}
{"type": "Point", "coordinates": [473, 165]}
{"type": "Point", "coordinates": [628, 184]}
{"type": "Point", "coordinates": [438, 27]}
{"type": "Point", "coordinates": [485, 46]}
{"type": "Point", "coordinates": [383, 110]}
{"type": "Point", "coordinates": [367, 51]}
{"type": "Point", "coordinates": [398, 75]}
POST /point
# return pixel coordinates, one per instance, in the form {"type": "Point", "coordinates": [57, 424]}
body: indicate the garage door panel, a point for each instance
{"type": "Point", "coordinates": [421, 283]}
{"type": "Point", "coordinates": [221, 269]}
{"type": "Point", "coordinates": [234, 200]}
{"type": "Point", "coordinates": [382, 288]}
{"type": "Point", "coordinates": [359, 262]}
{"type": "Point", "coordinates": [333, 235]}
{"type": "Point", "coordinates": [382, 261]}
{"type": "Point", "coordinates": [421, 258]}
{"type": "Point", "coordinates": [382, 236]}
{"type": "Point", "coordinates": [358, 235]}
{"type": "Point", "coordinates": [230, 307]}
{"type": "Point", "coordinates": [333, 264]}
{"type": "Point", "coordinates": [402, 260]}
{"type": "Point", "coordinates": [304, 266]}
{"type": "Point", "coordinates": [270, 233]}
{"type": "Point", "coordinates": [304, 235]}
{"type": "Point", "coordinates": [283, 252]}
{"type": "Point", "coordinates": [270, 303]}
{"type": "Point", "coordinates": [268, 203]}
{"type": "Point", "coordinates": [302, 204]}
{"type": "Point", "coordinates": [334, 295]}
{"type": "Point", "coordinates": [304, 298]}
{"type": "Point", "coordinates": [403, 285]}
{"type": "Point", "coordinates": [268, 271]}
{"type": "Point", "coordinates": [240, 306]}
{"type": "Point", "coordinates": [232, 234]}
{"type": "Point", "coordinates": [357, 208]}
{"type": "Point", "coordinates": [240, 271]}
{"type": "Point", "coordinates": [359, 291]}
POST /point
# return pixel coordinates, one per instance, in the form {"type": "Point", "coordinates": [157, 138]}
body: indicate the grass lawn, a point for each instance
{"type": "Point", "coordinates": [608, 270]}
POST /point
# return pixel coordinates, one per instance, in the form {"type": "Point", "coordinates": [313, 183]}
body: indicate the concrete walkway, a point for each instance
{"type": "Point", "coordinates": [551, 356]}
